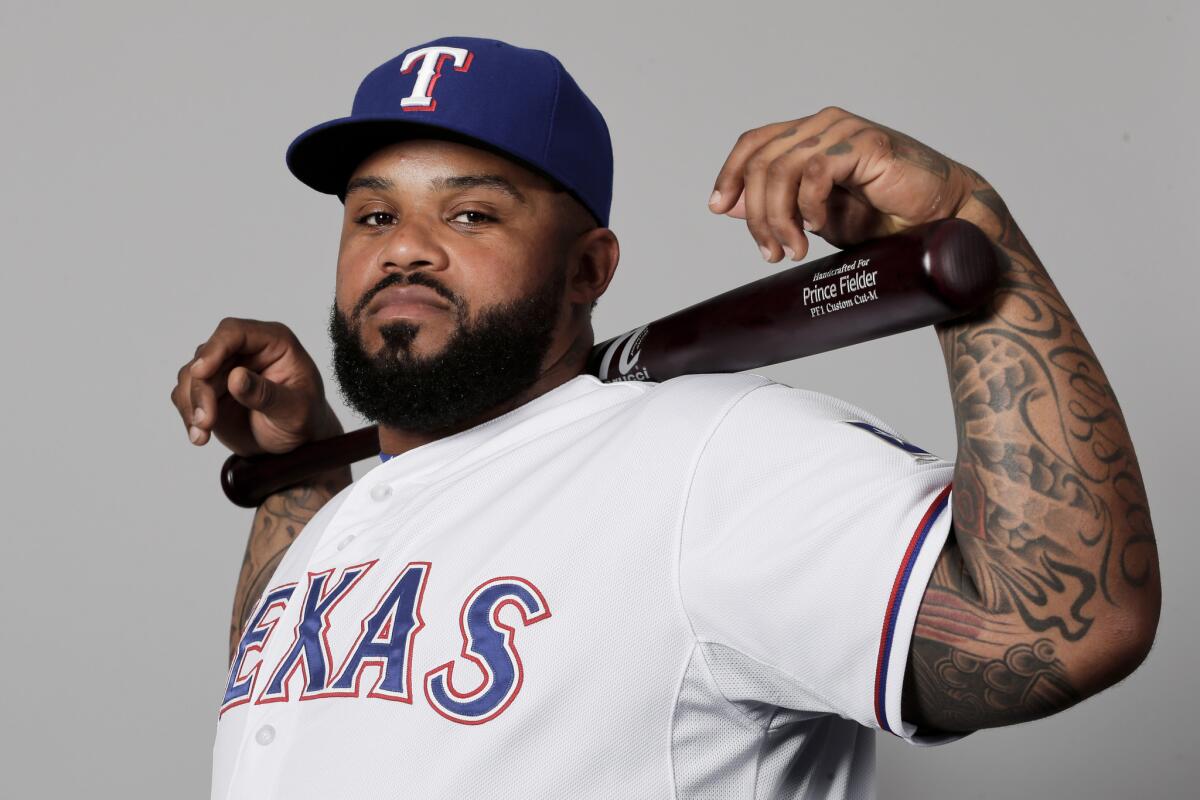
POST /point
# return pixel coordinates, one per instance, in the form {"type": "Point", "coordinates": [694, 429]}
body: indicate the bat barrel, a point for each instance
{"type": "Point", "coordinates": [929, 274]}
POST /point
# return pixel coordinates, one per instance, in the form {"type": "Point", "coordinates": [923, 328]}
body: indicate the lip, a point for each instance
{"type": "Point", "coordinates": [406, 301]}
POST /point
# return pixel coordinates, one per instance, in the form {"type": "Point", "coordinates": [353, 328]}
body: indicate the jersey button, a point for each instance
{"type": "Point", "coordinates": [265, 735]}
{"type": "Point", "coordinates": [381, 492]}
{"type": "Point", "coordinates": [345, 542]}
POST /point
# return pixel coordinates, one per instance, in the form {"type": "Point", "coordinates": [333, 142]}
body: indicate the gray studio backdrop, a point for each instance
{"type": "Point", "coordinates": [145, 197]}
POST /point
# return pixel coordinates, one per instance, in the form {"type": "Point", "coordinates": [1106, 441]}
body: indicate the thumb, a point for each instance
{"type": "Point", "coordinates": [260, 394]}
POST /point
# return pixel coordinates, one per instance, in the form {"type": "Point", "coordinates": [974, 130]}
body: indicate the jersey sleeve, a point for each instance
{"type": "Point", "coordinates": [810, 532]}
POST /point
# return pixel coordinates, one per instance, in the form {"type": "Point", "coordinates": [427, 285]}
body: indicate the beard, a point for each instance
{"type": "Point", "coordinates": [482, 366]}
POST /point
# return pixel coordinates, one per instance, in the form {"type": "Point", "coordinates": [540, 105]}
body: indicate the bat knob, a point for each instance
{"type": "Point", "coordinates": [962, 262]}
{"type": "Point", "coordinates": [236, 483]}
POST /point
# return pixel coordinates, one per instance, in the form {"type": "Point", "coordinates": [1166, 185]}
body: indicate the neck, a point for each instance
{"type": "Point", "coordinates": [570, 362]}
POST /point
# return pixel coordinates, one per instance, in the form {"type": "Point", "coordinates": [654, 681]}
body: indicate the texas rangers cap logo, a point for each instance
{"type": "Point", "coordinates": [431, 59]}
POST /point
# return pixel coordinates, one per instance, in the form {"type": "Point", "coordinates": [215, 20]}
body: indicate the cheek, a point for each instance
{"type": "Point", "coordinates": [351, 280]}
{"type": "Point", "coordinates": [483, 296]}
{"type": "Point", "coordinates": [496, 279]}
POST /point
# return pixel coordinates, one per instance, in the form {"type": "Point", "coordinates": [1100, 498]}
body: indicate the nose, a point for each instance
{"type": "Point", "coordinates": [411, 245]}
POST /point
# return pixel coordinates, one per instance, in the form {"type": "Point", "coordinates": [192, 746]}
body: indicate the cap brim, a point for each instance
{"type": "Point", "coordinates": [325, 156]}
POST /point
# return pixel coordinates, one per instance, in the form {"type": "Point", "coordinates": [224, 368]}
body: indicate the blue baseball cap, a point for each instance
{"type": "Point", "coordinates": [518, 102]}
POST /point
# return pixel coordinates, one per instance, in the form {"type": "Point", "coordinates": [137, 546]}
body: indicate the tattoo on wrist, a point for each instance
{"type": "Point", "coordinates": [910, 151]}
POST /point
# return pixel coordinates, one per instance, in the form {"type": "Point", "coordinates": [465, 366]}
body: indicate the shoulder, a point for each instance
{"type": "Point", "coordinates": [689, 391]}
{"type": "Point", "coordinates": [751, 396]}
{"type": "Point", "coordinates": [696, 402]}
{"type": "Point", "coordinates": [776, 421]}
{"type": "Point", "coordinates": [742, 410]}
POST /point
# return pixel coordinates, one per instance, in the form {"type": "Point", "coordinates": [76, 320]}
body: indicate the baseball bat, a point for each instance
{"type": "Point", "coordinates": [928, 274]}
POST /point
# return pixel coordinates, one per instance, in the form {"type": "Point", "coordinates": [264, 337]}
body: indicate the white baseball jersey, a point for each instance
{"type": "Point", "coordinates": [703, 588]}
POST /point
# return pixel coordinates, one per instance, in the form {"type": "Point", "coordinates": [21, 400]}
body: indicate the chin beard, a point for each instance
{"type": "Point", "coordinates": [481, 366]}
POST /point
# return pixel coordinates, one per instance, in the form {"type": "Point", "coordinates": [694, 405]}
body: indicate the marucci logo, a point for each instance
{"type": "Point", "coordinates": [625, 349]}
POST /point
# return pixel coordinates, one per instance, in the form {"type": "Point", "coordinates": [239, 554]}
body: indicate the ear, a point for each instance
{"type": "Point", "coordinates": [592, 262]}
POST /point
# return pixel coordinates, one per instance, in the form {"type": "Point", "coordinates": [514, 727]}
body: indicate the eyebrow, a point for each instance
{"type": "Point", "coordinates": [497, 182]}
{"type": "Point", "coordinates": [369, 182]}
{"type": "Point", "coordinates": [458, 182]}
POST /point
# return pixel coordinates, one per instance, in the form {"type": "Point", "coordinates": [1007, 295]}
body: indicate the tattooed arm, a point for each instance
{"type": "Point", "coordinates": [1048, 588]}
{"type": "Point", "coordinates": [277, 522]}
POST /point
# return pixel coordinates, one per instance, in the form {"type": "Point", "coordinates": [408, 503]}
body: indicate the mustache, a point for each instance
{"type": "Point", "coordinates": [411, 279]}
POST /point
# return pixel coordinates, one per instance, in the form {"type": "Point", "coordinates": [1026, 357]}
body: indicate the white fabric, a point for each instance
{"type": "Point", "coordinates": [693, 576]}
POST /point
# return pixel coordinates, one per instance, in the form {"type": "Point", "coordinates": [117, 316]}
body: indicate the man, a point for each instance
{"type": "Point", "coordinates": [713, 586]}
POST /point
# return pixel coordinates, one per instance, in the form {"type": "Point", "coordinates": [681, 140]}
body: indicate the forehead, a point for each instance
{"type": "Point", "coordinates": [428, 158]}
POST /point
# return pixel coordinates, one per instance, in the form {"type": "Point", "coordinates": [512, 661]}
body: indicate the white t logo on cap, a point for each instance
{"type": "Point", "coordinates": [432, 59]}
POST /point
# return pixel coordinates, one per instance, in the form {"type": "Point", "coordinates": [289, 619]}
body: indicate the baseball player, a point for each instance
{"type": "Point", "coordinates": [714, 586]}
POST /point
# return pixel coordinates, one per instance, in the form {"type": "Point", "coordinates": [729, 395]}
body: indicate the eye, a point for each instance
{"type": "Point", "coordinates": [473, 217]}
{"type": "Point", "coordinates": [376, 219]}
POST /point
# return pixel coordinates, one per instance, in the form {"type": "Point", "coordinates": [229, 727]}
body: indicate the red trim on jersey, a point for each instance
{"type": "Point", "coordinates": [893, 606]}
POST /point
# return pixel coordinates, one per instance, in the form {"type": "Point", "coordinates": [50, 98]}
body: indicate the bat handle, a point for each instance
{"type": "Point", "coordinates": [248, 481]}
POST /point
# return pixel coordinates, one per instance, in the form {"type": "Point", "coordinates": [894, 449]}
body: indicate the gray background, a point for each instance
{"type": "Point", "coordinates": [144, 197]}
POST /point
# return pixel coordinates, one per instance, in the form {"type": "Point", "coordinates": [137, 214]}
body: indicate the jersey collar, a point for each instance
{"type": "Point", "coordinates": [499, 432]}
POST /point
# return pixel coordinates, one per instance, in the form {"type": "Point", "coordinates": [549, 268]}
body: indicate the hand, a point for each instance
{"type": "Point", "coordinates": [254, 387]}
{"type": "Point", "coordinates": [840, 176]}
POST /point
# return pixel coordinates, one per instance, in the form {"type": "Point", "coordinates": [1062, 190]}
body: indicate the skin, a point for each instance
{"type": "Point", "coordinates": [1047, 590]}
{"type": "Point", "coordinates": [409, 207]}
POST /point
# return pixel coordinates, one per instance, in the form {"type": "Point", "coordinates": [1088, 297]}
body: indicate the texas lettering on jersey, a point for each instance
{"type": "Point", "coordinates": [384, 647]}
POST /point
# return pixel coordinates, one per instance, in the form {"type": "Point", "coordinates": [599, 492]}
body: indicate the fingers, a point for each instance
{"type": "Point", "coordinates": [203, 382]}
{"type": "Point", "coordinates": [739, 208]}
{"type": "Point", "coordinates": [731, 179]}
{"type": "Point", "coordinates": [212, 402]}
{"type": "Point", "coordinates": [772, 215]}
{"type": "Point", "coordinates": [181, 398]}
{"type": "Point", "coordinates": [256, 343]}
{"type": "Point", "coordinates": [852, 160]}
{"type": "Point", "coordinates": [785, 174]}
{"type": "Point", "coordinates": [204, 396]}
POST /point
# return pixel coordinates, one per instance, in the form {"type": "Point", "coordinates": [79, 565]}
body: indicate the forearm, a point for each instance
{"type": "Point", "coordinates": [277, 522]}
{"type": "Point", "coordinates": [1049, 591]}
